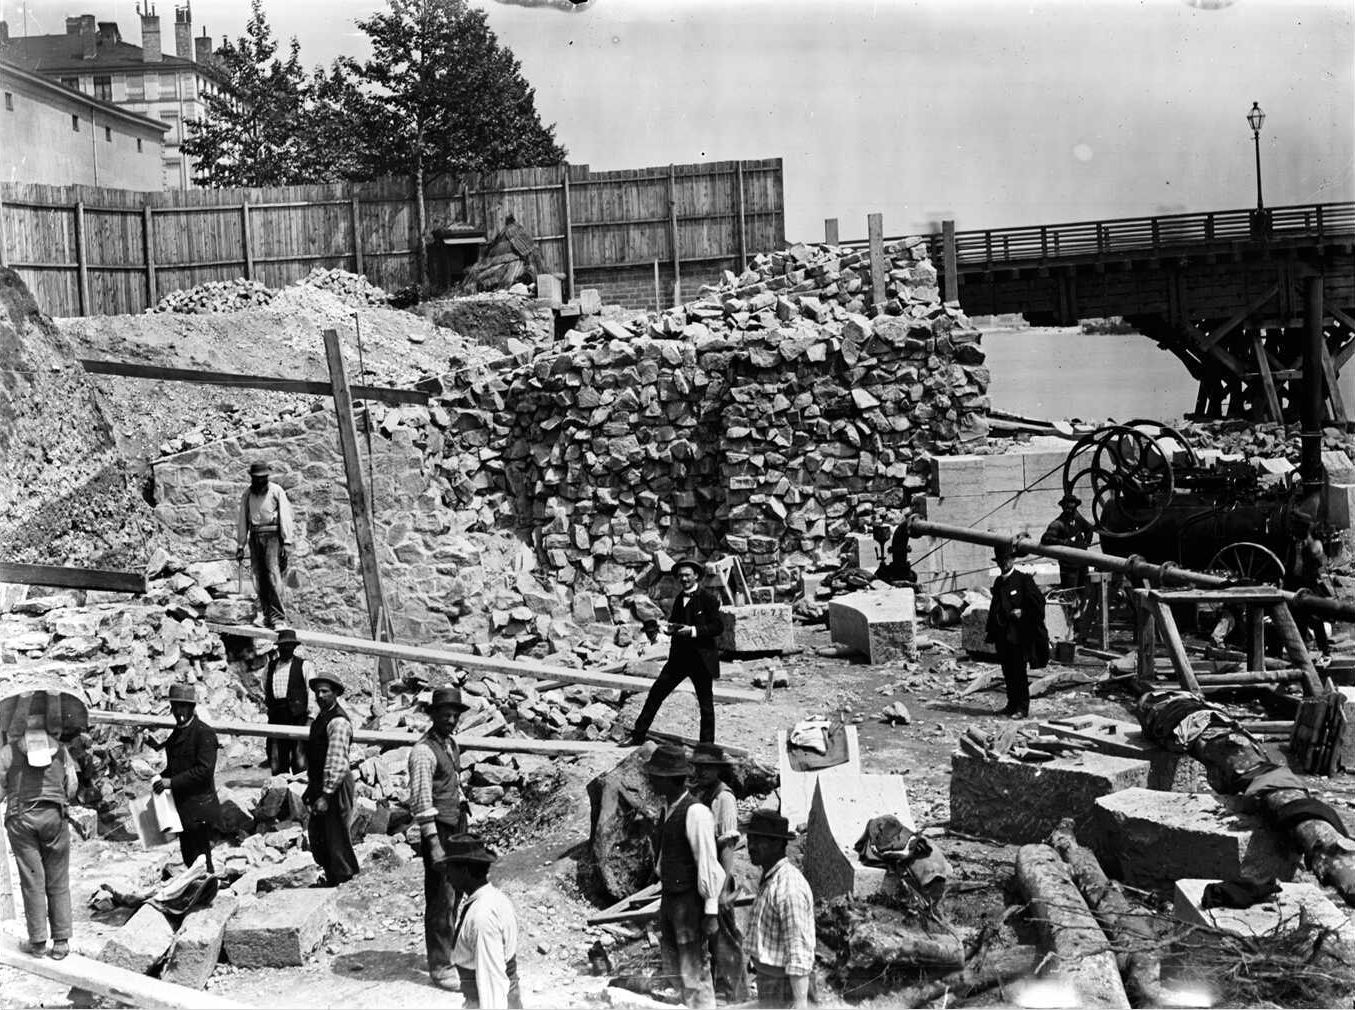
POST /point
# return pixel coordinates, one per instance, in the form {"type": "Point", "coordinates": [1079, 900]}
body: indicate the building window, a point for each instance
{"type": "Point", "coordinates": [75, 123]}
{"type": "Point", "coordinates": [103, 88]}
{"type": "Point", "coordinates": [138, 145]}
{"type": "Point", "coordinates": [9, 101]}
{"type": "Point", "coordinates": [108, 134]}
{"type": "Point", "coordinates": [71, 82]}
{"type": "Point", "coordinates": [136, 88]}
{"type": "Point", "coordinates": [168, 87]}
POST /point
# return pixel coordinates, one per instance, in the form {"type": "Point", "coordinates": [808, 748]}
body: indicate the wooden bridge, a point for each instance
{"type": "Point", "coordinates": [1230, 293]}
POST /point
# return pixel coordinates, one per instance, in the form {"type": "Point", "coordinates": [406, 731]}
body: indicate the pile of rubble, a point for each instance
{"type": "Point", "coordinates": [354, 289]}
{"type": "Point", "coordinates": [232, 296]}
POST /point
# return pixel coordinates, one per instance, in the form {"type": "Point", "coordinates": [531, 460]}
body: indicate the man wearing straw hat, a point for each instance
{"type": "Point", "coordinates": [729, 967]}
{"type": "Point", "coordinates": [39, 779]}
{"type": "Point", "coordinates": [287, 703]}
{"type": "Point", "coordinates": [329, 784]}
{"type": "Point", "coordinates": [435, 799]}
{"type": "Point", "coordinates": [486, 935]}
{"type": "Point", "coordinates": [690, 877]}
{"type": "Point", "coordinates": [265, 523]}
{"type": "Point", "coordinates": [190, 775]}
{"type": "Point", "coordinates": [781, 935]}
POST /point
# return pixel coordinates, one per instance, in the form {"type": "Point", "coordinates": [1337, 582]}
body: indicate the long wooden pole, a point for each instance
{"type": "Point", "coordinates": [355, 220]}
{"type": "Point", "coordinates": [673, 235]}
{"type": "Point", "coordinates": [567, 217]}
{"type": "Point", "coordinates": [81, 259]}
{"type": "Point", "coordinates": [246, 244]}
{"type": "Point", "coordinates": [950, 264]}
{"type": "Point", "coordinates": [148, 240]}
{"type": "Point", "coordinates": [738, 209]}
{"type": "Point", "coordinates": [875, 230]}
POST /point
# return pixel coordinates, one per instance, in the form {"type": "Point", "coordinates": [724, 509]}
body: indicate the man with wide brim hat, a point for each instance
{"type": "Point", "coordinates": [190, 776]}
{"type": "Point", "coordinates": [781, 935]}
{"type": "Point", "coordinates": [691, 878]}
{"type": "Point", "coordinates": [1070, 529]}
{"type": "Point", "coordinates": [694, 625]}
{"type": "Point", "coordinates": [710, 764]}
{"type": "Point", "coordinates": [486, 948]}
{"type": "Point", "coordinates": [329, 783]}
{"type": "Point", "coordinates": [265, 524]}
{"type": "Point", "coordinates": [439, 814]}
{"type": "Point", "coordinates": [287, 702]}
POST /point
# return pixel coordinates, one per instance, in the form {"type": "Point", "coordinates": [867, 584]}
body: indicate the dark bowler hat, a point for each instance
{"type": "Point", "coordinates": [447, 696]}
{"type": "Point", "coordinates": [287, 636]}
{"type": "Point", "coordinates": [695, 566]}
{"type": "Point", "coordinates": [1070, 499]}
{"type": "Point", "coordinates": [260, 469]}
{"type": "Point", "coordinates": [1004, 551]}
{"type": "Point", "coordinates": [710, 754]}
{"type": "Point", "coordinates": [184, 693]}
{"type": "Point", "coordinates": [668, 761]}
{"type": "Point", "coordinates": [326, 679]}
{"type": "Point", "coordinates": [467, 849]}
{"type": "Point", "coordinates": [769, 824]}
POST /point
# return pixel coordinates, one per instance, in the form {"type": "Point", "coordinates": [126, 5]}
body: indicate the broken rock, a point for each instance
{"type": "Point", "coordinates": [140, 942]}
{"type": "Point", "coordinates": [282, 928]}
{"type": "Point", "coordinates": [197, 945]}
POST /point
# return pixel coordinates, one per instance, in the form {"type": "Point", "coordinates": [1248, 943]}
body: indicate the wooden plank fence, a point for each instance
{"type": "Point", "coordinates": [84, 250]}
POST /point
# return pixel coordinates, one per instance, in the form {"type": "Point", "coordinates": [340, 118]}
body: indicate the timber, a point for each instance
{"type": "Point", "coordinates": [316, 387]}
{"type": "Point", "coordinates": [440, 657]}
{"type": "Point", "coordinates": [58, 577]}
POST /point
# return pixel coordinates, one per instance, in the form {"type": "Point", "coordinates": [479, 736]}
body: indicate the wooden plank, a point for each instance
{"type": "Point", "coordinates": [1239, 594]}
{"type": "Point", "coordinates": [4, 261]}
{"type": "Point", "coordinates": [1219, 332]}
{"type": "Point", "coordinates": [137, 370]}
{"type": "Point", "coordinates": [1294, 648]}
{"type": "Point", "coordinates": [876, 230]}
{"type": "Point", "coordinates": [950, 262]}
{"type": "Point", "coordinates": [830, 231]}
{"type": "Point", "coordinates": [82, 258]}
{"type": "Point", "coordinates": [246, 241]}
{"type": "Point", "coordinates": [567, 216]}
{"type": "Point", "coordinates": [126, 987]}
{"type": "Point", "coordinates": [738, 209]}
{"type": "Point", "coordinates": [355, 223]}
{"type": "Point", "coordinates": [72, 578]}
{"type": "Point", "coordinates": [1267, 381]}
{"type": "Point", "coordinates": [673, 235]}
{"type": "Point", "coordinates": [1147, 636]}
{"type": "Point", "coordinates": [377, 615]}
{"type": "Point", "coordinates": [1176, 649]}
{"type": "Point", "coordinates": [443, 657]}
{"type": "Point", "coordinates": [148, 243]}
{"type": "Point", "coordinates": [1330, 376]}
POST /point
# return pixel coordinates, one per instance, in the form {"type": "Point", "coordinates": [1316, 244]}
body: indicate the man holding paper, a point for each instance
{"type": "Point", "coordinates": [190, 775]}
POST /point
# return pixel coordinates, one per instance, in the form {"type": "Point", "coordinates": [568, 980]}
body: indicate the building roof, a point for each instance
{"type": "Point", "coordinates": [45, 84]}
{"type": "Point", "coordinates": [53, 54]}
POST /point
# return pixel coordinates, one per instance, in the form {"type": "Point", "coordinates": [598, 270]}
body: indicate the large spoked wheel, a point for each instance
{"type": "Point", "coordinates": [1131, 481]}
{"type": "Point", "coordinates": [1250, 563]}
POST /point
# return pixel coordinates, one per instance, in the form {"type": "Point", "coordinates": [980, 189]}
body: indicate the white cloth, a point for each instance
{"type": "Point", "coordinates": [486, 939]}
{"type": "Point", "coordinates": [710, 875]}
{"type": "Point", "coordinates": [810, 734]}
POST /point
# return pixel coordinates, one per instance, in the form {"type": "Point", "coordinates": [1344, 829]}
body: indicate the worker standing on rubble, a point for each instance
{"type": "Point", "coordinates": [435, 799]}
{"type": "Point", "coordinates": [694, 624]}
{"type": "Point", "coordinates": [1017, 630]}
{"type": "Point", "coordinates": [1070, 529]}
{"type": "Point", "coordinates": [287, 702]}
{"type": "Point", "coordinates": [329, 786]}
{"type": "Point", "coordinates": [190, 775]}
{"type": "Point", "coordinates": [781, 932]}
{"type": "Point", "coordinates": [691, 878]}
{"type": "Point", "coordinates": [265, 523]}
{"type": "Point", "coordinates": [486, 935]}
{"type": "Point", "coordinates": [40, 779]}
{"type": "Point", "coordinates": [729, 967]}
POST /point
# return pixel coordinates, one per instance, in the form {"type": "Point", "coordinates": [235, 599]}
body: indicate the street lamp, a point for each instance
{"type": "Point", "coordinates": [1254, 119]}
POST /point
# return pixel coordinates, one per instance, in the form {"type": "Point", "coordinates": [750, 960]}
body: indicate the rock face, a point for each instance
{"type": "Point", "coordinates": [624, 812]}
{"type": "Point", "coordinates": [140, 942]}
{"type": "Point", "coordinates": [758, 627]}
{"type": "Point", "coordinates": [281, 928]}
{"type": "Point", "coordinates": [879, 624]}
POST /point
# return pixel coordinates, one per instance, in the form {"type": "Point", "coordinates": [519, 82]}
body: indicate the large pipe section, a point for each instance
{"type": "Point", "coordinates": [1134, 566]}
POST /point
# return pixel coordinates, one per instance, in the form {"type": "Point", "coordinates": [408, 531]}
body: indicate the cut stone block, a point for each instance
{"type": "Point", "coordinates": [280, 929]}
{"type": "Point", "coordinates": [758, 627]}
{"type": "Point", "coordinates": [842, 806]}
{"type": "Point", "coordinates": [863, 551]}
{"type": "Point", "coordinates": [1167, 770]}
{"type": "Point", "coordinates": [548, 290]}
{"type": "Point", "coordinates": [299, 869]}
{"type": "Point", "coordinates": [140, 942]}
{"type": "Point", "coordinates": [1151, 839]}
{"type": "Point", "coordinates": [879, 624]}
{"type": "Point", "coordinates": [1016, 801]}
{"type": "Point", "coordinates": [590, 301]}
{"type": "Point", "coordinates": [1340, 504]}
{"type": "Point", "coordinates": [796, 788]}
{"type": "Point", "coordinates": [1295, 906]}
{"type": "Point", "coordinates": [197, 945]}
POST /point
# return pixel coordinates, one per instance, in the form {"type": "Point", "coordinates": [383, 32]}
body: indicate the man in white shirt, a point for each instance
{"type": "Point", "coordinates": [265, 523]}
{"type": "Point", "coordinates": [485, 944]}
{"type": "Point", "coordinates": [690, 877]}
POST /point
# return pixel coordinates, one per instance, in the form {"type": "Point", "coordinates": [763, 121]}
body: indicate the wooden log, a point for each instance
{"type": "Point", "coordinates": [1243, 677]}
{"type": "Point", "coordinates": [875, 229]}
{"type": "Point", "coordinates": [1294, 648]}
{"type": "Point", "coordinates": [140, 370]}
{"type": "Point", "coordinates": [82, 259]}
{"type": "Point", "coordinates": [72, 578]}
{"type": "Point", "coordinates": [1171, 636]}
{"type": "Point", "coordinates": [440, 657]}
{"type": "Point", "coordinates": [996, 968]}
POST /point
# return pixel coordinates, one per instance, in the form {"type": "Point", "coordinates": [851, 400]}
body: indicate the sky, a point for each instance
{"type": "Point", "coordinates": [991, 112]}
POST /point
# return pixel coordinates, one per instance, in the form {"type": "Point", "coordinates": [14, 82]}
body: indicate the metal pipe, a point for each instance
{"type": "Point", "coordinates": [1134, 566]}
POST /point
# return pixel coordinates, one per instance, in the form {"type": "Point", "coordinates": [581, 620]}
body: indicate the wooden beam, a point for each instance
{"type": "Point", "coordinates": [673, 235]}
{"type": "Point", "coordinates": [1267, 382]}
{"type": "Point", "coordinates": [378, 617]}
{"type": "Point", "coordinates": [444, 657]}
{"type": "Point", "coordinates": [567, 216]}
{"type": "Point", "coordinates": [81, 259]}
{"type": "Point", "coordinates": [1332, 378]}
{"type": "Point", "coordinates": [830, 234]}
{"type": "Point", "coordinates": [246, 241]}
{"type": "Point", "coordinates": [137, 370]}
{"type": "Point", "coordinates": [148, 240]}
{"type": "Point", "coordinates": [129, 988]}
{"type": "Point", "coordinates": [875, 229]}
{"type": "Point", "coordinates": [738, 209]}
{"type": "Point", "coordinates": [950, 262]}
{"type": "Point", "coordinates": [355, 222]}
{"type": "Point", "coordinates": [72, 578]}
{"type": "Point", "coordinates": [1219, 332]}
{"type": "Point", "coordinates": [1176, 649]}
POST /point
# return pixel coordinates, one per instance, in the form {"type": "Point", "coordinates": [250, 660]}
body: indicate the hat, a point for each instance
{"type": "Point", "coordinates": [668, 761]}
{"type": "Point", "coordinates": [467, 849]}
{"type": "Point", "coordinates": [710, 754]}
{"type": "Point", "coordinates": [447, 696]}
{"type": "Point", "coordinates": [287, 636]}
{"type": "Point", "coordinates": [184, 693]}
{"type": "Point", "coordinates": [260, 469]}
{"type": "Point", "coordinates": [326, 679]}
{"type": "Point", "coordinates": [1070, 499]}
{"type": "Point", "coordinates": [769, 824]}
{"type": "Point", "coordinates": [1004, 550]}
{"type": "Point", "coordinates": [695, 566]}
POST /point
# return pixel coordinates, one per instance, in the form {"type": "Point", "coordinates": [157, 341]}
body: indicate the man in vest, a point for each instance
{"type": "Point", "coordinates": [39, 778]}
{"type": "Point", "coordinates": [190, 775]}
{"type": "Point", "coordinates": [287, 702]}
{"type": "Point", "coordinates": [265, 523]}
{"type": "Point", "coordinates": [486, 935]}
{"type": "Point", "coordinates": [690, 877]}
{"type": "Point", "coordinates": [435, 799]}
{"type": "Point", "coordinates": [729, 967]}
{"type": "Point", "coordinates": [329, 784]}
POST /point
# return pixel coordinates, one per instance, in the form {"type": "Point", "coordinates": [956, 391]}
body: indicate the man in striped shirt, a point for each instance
{"type": "Point", "coordinates": [329, 784]}
{"type": "Point", "coordinates": [781, 935]}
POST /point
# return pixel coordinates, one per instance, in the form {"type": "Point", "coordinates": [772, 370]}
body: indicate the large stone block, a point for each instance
{"type": "Point", "coordinates": [298, 869]}
{"type": "Point", "coordinates": [1016, 801]}
{"type": "Point", "coordinates": [796, 788]}
{"type": "Point", "coordinates": [758, 627]}
{"type": "Point", "coordinates": [281, 928]}
{"type": "Point", "coordinates": [879, 624]}
{"type": "Point", "coordinates": [140, 942]}
{"type": "Point", "coordinates": [197, 945]}
{"type": "Point", "coordinates": [842, 806]}
{"type": "Point", "coordinates": [1296, 905]}
{"type": "Point", "coordinates": [1150, 839]}
{"type": "Point", "coordinates": [1167, 770]}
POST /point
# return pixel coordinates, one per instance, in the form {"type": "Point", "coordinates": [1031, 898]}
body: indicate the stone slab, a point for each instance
{"type": "Point", "coordinates": [1167, 770]}
{"type": "Point", "coordinates": [1340, 504]}
{"type": "Point", "coordinates": [298, 869]}
{"type": "Point", "coordinates": [1150, 839]}
{"type": "Point", "coordinates": [757, 627]}
{"type": "Point", "coordinates": [197, 945]}
{"type": "Point", "coordinates": [879, 624]}
{"type": "Point", "coordinates": [140, 942]}
{"type": "Point", "coordinates": [1296, 905]}
{"type": "Point", "coordinates": [1016, 801]}
{"type": "Point", "coordinates": [841, 807]}
{"type": "Point", "coordinates": [796, 788]}
{"type": "Point", "coordinates": [282, 928]}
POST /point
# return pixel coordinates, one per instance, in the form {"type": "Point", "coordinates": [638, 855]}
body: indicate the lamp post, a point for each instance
{"type": "Point", "coordinates": [1254, 119]}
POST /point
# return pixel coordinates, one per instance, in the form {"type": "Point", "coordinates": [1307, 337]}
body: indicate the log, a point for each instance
{"type": "Point", "coordinates": [996, 968]}
{"type": "Point", "coordinates": [982, 682]}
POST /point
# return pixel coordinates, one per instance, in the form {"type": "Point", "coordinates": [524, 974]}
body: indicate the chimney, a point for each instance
{"type": "Point", "coordinates": [89, 38]}
{"type": "Point", "coordinates": [183, 32]}
{"type": "Point", "coordinates": [72, 26]}
{"type": "Point", "coordinates": [150, 35]}
{"type": "Point", "coordinates": [108, 33]}
{"type": "Point", "coordinates": [4, 33]}
{"type": "Point", "coordinates": [202, 48]}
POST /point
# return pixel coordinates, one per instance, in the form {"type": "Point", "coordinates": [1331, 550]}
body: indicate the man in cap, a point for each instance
{"type": "Point", "coordinates": [1016, 629]}
{"type": "Point", "coordinates": [39, 778]}
{"type": "Point", "coordinates": [190, 775]}
{"type": "Point", "coordinates": [287, 702]}
{"type": "Point", "coordinates": [1070, 529]}
{"type": "Point", "coordinates": [728, 964]}
{"type": "Point", "coordinates": [691, 878]}
{"type": "Point", "coordinates": [435, 799]}
{"type": "Point", "coordinates": [486, 936]}
{"type": "Point", "coordinates": [329, 785]}
{"type": "Point", "coordinates": [265, 523]}
{"type": "Point", "coordinates": [694, 624]}
{"type": "Point", "coordinates": [781, 937]}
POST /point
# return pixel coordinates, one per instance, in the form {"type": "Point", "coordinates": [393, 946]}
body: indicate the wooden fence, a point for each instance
{"type": "Point", "coordinates": [88, 251]}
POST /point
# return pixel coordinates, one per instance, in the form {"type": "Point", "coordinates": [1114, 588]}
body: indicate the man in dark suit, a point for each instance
{"type": "Point", "coordinates": [1016, 629]}
{"type": "Point", "coordinates": [694, 624]}
{"type": "Point", "coordinates": [287, 701]}
{"type": "Point", "coordinates": [190, 775]}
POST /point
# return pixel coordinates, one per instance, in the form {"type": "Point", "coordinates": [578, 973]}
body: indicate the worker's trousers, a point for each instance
{"type": "Point", "coordinates": [684, 948]}
{"type": "Point", "coordinates": [265, 562]}
{"type": "Point", "coordinates": [673, 674]}
{"type": "Point", "coordinates": [1012, 656]}
{"type": "Point", "coordinates": [331, 845]}
{"type": "Point", "coordinates": [285, 756]}
{"type": "Point", "coordinates": [40, 839]}
{"type": "Point", "coordinates": [439, 905]}
{"type": "Point", "coordinates": [196, 840]}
